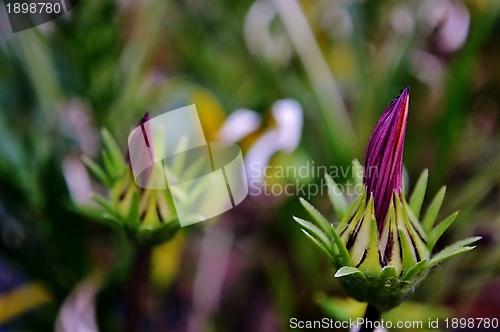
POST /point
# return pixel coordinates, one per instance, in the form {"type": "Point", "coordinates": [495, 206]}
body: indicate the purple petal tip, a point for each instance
{"type": "Point", "coordinates": [384, 155]}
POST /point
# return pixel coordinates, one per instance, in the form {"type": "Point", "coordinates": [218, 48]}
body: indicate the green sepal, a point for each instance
{"type": "Point", "coordinates": [384, 291]}
{"type": "Point", "coordinates": [345, 233]}
{"type": "Point", "coordinates": [358, 172]}
{"type": "Point", "coordinates": [363, 235]}
{"type": "Point", "coordinates": [409, 260]}
{"type": "Point", "coordinates": [317, 216]}
{"type": "Point", "coordinates": [111, 219]}
{"type": "Point", "coordinates": [453, 250]}
{"type": "Point", "coordinates": [108, 166]}
{"type": "Point", "coordinates": [115, 155]}
{"type": "Point", "coordinates": [322, 247]}
{"type": "Point", "coordinates": [439, 230]}
{"type": "Point", "coordinates": [416, 235]}
{"type": "Point", "coordinates": [415, 270]}
{"type": "Point", "coordinates": [326, 229]}
{"type": "Point", "coordinates": [99, 173]}
{"type": "Point", "coordinates": [102, 201]}
{"type": "Point", "coordinates": [346, 270]}
{"type": "Point", "coordinates": [343, 252]}
{"type": "Point", "coordinates": [353, 209]}
{"type": "Point", "coordinates": [314, 231]}
{"type": "Point", "coordinates": [433, 210]}
{"type": "Point", "coordinates": [389, 272]}
{"type": "Point", "coordinates": [336, 198]}
{"type": "Point", "coordinates": [407, 249]}
{"type": "Point", "coordinates": [133, 215]}
{"type": "Point", "coordinates": [179, 161]}
{"type": "Point", "coordinates": [418, 194]}
{"type": "Point", "coordinates": [151, 236]}
{"type": "Point", "coordinates": [371, 264]}
{"type": "Point", "coordinates": [413, 221]}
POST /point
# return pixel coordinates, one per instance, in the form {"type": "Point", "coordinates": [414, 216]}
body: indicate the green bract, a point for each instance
{"type": "Point", "coordinates": [381, 267]}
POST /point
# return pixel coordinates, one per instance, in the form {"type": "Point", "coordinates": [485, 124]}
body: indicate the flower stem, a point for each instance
{"type": "Point", "coordinates": [372, 315]}
{"type": "Point", "coordinates": [138, 289]}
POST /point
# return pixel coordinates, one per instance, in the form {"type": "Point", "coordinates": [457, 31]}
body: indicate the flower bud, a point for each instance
{"type": "Point", "coordinates": [146, 217]}
{"type": "Point", "coordinates": [380, 246]}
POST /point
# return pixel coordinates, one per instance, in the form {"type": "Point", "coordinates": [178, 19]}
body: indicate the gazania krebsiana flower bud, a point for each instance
{"type": "Point", "coordinates": [381, 247]}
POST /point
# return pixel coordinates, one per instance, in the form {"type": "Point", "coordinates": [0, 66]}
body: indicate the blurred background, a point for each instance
{"type": "Point", "coordinates": [337, 64]}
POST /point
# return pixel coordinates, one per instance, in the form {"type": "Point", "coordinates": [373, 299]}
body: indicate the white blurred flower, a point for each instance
{"type": "Point", "coordinates": [289, 119]}
{"type": "Point", "coordinates": [402, 19]}
{"type": "Point", "coordinates": [286, 136]}
{"type": "Point", "coordinates": [78, 312]}
{"type": "Point", "coordinates": [450, 21]}
{"type": "Point", "coordinates": [261, 39]}
{"type": "Point", "coordinates": [238, 125]}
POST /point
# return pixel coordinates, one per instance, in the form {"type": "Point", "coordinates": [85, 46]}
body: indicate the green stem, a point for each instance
{"type": "Point", "coordinates": [138, 289]}
{"type": "Point", "coordinates": [372, 315]}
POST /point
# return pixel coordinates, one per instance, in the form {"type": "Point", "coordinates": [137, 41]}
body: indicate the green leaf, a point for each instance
{"type": "Point", "coordinates": [417, 197]}
{"type": "Point", "coordinates": [433, 210]}
{"type": "Point", "coordinates": [317, 216]}
{"type": "Point", "coordinates": [336, 198]}
{"type": "Point", "coordinates": [315, 231]}
{"type": "Point", "coordinates": [96, 170]}
{"type": "Point", "coordinates": [453, 250]}
{"type": "Point", "coordinates": [332, 259]}
{"type": "Point", "coordinates": [440, 229]}
{"type": "Point", "coordinates": [347, 270]}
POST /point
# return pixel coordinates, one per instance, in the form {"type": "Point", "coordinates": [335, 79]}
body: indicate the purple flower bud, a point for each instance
{"type": "Point", "coordinates": [384, 156]}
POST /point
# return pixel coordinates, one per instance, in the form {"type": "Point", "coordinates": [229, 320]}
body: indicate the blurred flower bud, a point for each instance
{"type": "Point", "coordinates": [147, 217]}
